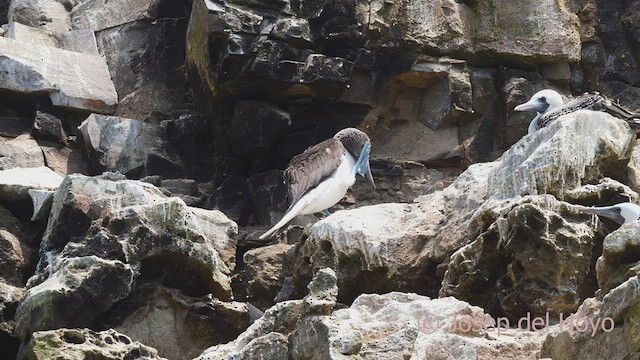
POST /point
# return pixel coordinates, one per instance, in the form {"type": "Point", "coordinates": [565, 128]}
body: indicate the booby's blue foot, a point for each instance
{"type": "Point", "coordinates": [326, 212]}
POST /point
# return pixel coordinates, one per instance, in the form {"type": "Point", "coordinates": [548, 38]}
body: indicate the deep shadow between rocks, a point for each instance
{"type": "Point", "coordinates": [179, 272]}
{"type": "Point", "coordinates": [9, 346]}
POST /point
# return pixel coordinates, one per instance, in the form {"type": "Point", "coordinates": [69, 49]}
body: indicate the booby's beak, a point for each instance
{"type": "Point", "coordinates": [611, 212]}
{"type": "Point", "coordinates": [534, 104]}
{"type": "Point", "coordinates": [362, 166]}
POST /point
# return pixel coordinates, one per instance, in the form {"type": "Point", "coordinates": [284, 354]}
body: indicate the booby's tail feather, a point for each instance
{"type": "Point", "coordinates": [288, 216]}
{"type": "Point", "coordinates": [615, 109]}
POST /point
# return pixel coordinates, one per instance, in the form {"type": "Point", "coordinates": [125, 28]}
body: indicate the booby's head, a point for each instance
{"type": "Point", "coordinates": [541, 102]}
{"type": "Point", "coordinates": [358, 145]}
{"type": "Point", "coordinates": [622, 213]}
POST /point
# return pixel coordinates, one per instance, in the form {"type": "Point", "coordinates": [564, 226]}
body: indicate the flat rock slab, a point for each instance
{"type": "Point", "coordinates": [103, 14]}
{"type": "Point", "coordinates": [72, 79]}
{"type": "Point", "coordinates": [15, 183]}
{"type": "Point", "coordinates": [82, 41]}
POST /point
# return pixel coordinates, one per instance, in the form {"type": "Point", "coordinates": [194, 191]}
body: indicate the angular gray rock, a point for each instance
{"type": "Point", "coordinates": [600, 329]}
{"type": "Point", "coordinates": [157, 83]}
{"type": "Point", "coordinates": [108, 241]}
{"type": "Point", "coordinates": [535, 255]}
{"type": "Point", "coordinates": [48, 127]}
{"type": "Point", "coordinates": [10, 297]}
{"type": "Point", "coordinates": [267, 336]}
{"type": "Point", "coordinates": [97, 15]}
{"type": "Point", "coordinates": [15, 183]}
{"type": "Point", "coordinates": [389, 326]}
{"type": "Point", "coordinates": [82, 41]}
{"type": "Point", "coordinates": [620, 258]}
{"type": "Point", "coordinates": [75, 295]}
{"type": "Point", "coordinates": [16, 250]}
{"type": "Point", "coordinates": [75, 344]}
{"type": "Point", "coordinates": [20, 152]}
{"type": "Point", "coordinates": [82, 81]}
{"type": "Point", "coordinates": [41, 200]}
{"type": "Point", "coordinates": [263, 274]}
{"type": "Point", "coordinates": [131, 147]}
{"type": "Point", "coordinates": [179, 326]}
{"type": "Point", "coordinates": [51, 15]}
{"type": "Point", "coordinates": [143, 228]}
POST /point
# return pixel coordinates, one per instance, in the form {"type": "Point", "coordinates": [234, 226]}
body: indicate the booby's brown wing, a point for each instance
{"type": "Point", "coordinates": [307, 170]}
{"type": "Point", "coordinates": [588, 101]}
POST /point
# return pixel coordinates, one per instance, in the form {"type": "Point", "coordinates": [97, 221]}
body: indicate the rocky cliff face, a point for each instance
{"type": "Point", "coordinates": [141, 149]}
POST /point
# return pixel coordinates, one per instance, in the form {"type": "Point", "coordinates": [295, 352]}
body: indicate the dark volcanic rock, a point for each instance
{"type": "Point", "coordinates": [129, 146]}
{"type": "Point", "coordinates": [233, 198]}
{"type": "Point", "coordinates": [49, 127]}
{"type": "Point", "coordinates": [146, 63]}
{"type": "Point", "coordinates": [256, 127]}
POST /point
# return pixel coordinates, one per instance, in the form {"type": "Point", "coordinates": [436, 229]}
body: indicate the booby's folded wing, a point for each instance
{"type": "Point", "coordinates": [307, 170]}
{"type": "Point", "coordinates": [586, 101]}
{"type": "Point", "coordinates": [590, 101]}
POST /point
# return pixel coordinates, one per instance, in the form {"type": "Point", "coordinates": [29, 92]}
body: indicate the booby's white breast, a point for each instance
{"type": "Point", "coordinates": [332, 189]}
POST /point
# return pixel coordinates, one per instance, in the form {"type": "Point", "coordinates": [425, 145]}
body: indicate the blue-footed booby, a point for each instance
{"type": "Point", "coordinates": [319, 177]}
{"type": "Point", "coordinates": [622, 213]}
{"type": "Point", "coordinates": [550, 106]}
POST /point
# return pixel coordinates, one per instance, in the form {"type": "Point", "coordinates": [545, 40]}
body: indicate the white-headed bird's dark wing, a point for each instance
{"type": "Point", "coordinates": [307, 170]}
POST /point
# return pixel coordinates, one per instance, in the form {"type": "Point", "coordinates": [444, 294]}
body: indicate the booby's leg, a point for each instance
{"type": "Point", "coordinates": [326, 212]}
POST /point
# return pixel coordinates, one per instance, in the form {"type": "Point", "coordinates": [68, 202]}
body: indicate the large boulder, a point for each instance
{"type": "Point", "coordinates": [77, 294]}
{"type": "Point", "coordinates": [179, 326]}
{"type": "Point", "coordinates": [107, 238]}
{"type": "Point", "coordinates": [155, 84]}
{"type": "Point", "coordinates": [20, 152]}
{"type": "Point", "coordinates": [131, 147]}
{"type": "Point", "coordinates": [535, 256]}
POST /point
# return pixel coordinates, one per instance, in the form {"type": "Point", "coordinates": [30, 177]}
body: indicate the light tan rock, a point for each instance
{"type": "Point", "coordinates": [82, 41]}
{"type": "Point", "coordinates": [181, 327]}
{"type": "Point", "coordinates": [50, 15]}
{"type": "Point", "coordinates": [76, 344]}
{"type": "Point", "coordinates": [20, 152]}
{"type": "Point", "coordinates": [15, 183]}
{"type": "Point", "coordinates": [506, 30]}
{"type": "Point", "coordinates": [620, 258]}
{"type": "Point", "coordinates": [80, 81]}
{"type": "Point", "coordinates": [97, 15]}
{"type": "Point", "coordinates": [600, 329]}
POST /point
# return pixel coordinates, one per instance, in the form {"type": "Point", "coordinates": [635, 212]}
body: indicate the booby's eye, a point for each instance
{"type": "Point", "coordinates": [618, 210]}
{"type": "Point", "coordinates": [543, 99]}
